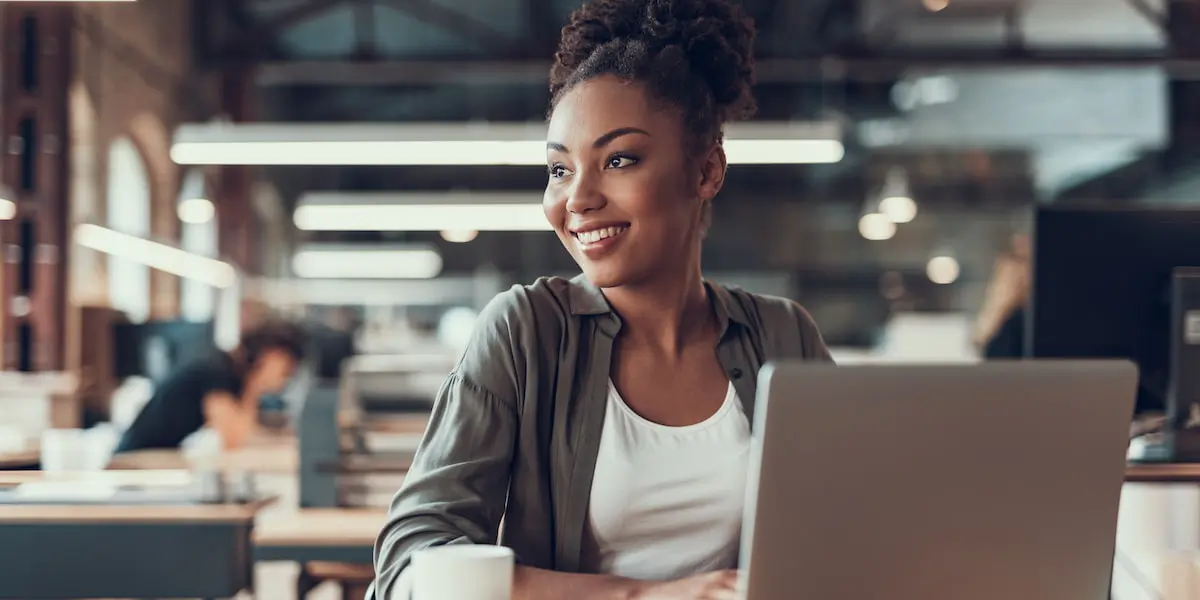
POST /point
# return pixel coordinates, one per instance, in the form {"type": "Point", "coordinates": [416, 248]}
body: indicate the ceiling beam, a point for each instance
{"type": "Point", "coordinates": [858, 68]}
{"type": "Point", "coordinates": [452, 21]}
{"type": "Point", "coordinates": [365, 46]}
{"type": "Point", "coordinates": [256, 40]}
{"type": "Point", "coordinates": [544, 26]}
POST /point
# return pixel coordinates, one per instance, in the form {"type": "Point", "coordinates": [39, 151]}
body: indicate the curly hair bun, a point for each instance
{"type": "Point", "coordinates": [707, 44]}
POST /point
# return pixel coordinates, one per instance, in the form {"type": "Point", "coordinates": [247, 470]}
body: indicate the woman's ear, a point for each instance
{"type": "Point", "coordinates": [712, 172]}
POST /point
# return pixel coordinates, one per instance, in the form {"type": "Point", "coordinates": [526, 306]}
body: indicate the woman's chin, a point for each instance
{"type": "Point", "coordinates": [603, 277]}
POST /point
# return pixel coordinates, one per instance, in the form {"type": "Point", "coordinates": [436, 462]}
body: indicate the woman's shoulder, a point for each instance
{"type": "Point", "coordinates": [524, 314]}
{"type": "Point", "coordinates": [784, 324]}
{"type": "Point", "coordinates": [518, 332]}
{"type": "Point", "coordinates": [524, 306]}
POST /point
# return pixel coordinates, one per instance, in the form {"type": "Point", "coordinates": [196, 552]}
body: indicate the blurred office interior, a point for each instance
{"type": "Point", "coordinates": [176, 171]}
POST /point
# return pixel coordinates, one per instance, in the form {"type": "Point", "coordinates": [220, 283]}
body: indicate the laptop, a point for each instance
{"type": "Point", "coordinates": [997, 481]}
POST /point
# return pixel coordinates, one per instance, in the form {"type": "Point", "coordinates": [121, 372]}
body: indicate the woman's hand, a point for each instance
{"type": "Point", "coordinates": [718, 585]}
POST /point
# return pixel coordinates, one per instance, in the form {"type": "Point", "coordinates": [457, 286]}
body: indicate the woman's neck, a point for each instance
{"type": "Point", "coordinates": [667, 314]}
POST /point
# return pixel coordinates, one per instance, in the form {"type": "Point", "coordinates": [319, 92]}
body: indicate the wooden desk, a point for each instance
{"type": "Point", "coordinates": [156, 551]}
{"type": "Point", "coordinates": [1184, 473]}
{"type": "Point", "coordinates": [410, 424]}
{"type": "Point", "coordinates": [92, 514]}
{"type": "Point", "coordinates": [341, 535]}
{"type": "Point", "coordinates": [23, 459]}
{"type": "Point", "coordinates": [127, 478]}
{"type": "Point", "coordinates": [274, 457]}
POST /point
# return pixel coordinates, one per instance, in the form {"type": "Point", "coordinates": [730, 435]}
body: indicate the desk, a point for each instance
{"type": "Point", "coordinates": [274, 457]}
{"type": "Point", "coordinates": [1181, 473]}
{"type": "Point", "coordinates": [122, 478]}
{"type": "Point", "coordinates": [341, 535]}
{"type": "Point", "coordinates": [403, 424]}
{"type": "Point", "coordinates": [89, 551]}
{"type": "Point", "coordinates": [24, 459]}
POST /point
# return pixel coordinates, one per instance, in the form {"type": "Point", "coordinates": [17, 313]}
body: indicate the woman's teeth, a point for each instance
{"type": "Point", "coordinates": [595, 235]}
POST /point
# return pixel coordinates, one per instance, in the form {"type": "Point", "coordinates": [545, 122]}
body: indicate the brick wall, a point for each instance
{"type": "Point", "coordinates": [132, 78]}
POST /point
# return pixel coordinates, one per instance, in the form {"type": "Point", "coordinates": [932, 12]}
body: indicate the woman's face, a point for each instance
{"type": "Point", "coordinates": [622, 195]}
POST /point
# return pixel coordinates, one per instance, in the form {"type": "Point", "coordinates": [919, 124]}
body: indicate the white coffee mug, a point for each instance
{"type": "Point", "coordinates": [458, 572]}
{"type": "Point", "coordinates": [63, 450]}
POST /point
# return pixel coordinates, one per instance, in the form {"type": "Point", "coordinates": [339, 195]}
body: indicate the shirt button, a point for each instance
{"type": "Point", "coordinates": [736, 373]}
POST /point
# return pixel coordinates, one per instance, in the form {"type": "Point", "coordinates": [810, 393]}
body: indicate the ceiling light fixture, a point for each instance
{"type": "Point", "coordinates": [460, 144]}
{"type": "Point", "coordinates": [942, 270]}
{"type": "Point", "coordinates": [196, 211]}
{"type": "Point", "coordinates": [194, 207]}
{"type": "Point", "coordinates": [8, 203]}
{"type": "Point", "coordinates": [421, 211]}
{"type": "Point", "coordinates": [338, 261]}
{"type": "Point", "coordinates": [459, 236]}
{"type": "Point", "coordinates": [156, 255]}
{"type": "Point", "coordinates": [876, 227]}
{"type": "Point", "coordinates": [897, 202]}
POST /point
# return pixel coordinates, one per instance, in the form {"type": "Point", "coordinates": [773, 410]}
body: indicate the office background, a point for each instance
{"type": "Point", "coordinates": [178, 170]}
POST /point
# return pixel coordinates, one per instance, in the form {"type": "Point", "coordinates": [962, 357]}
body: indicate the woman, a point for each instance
{"type": "Point", "coordinates": [219, 390]}
{"type": "Point", "coordinates": [1000, 326]}
{"type": "Point", "coordinates": [604, 418]}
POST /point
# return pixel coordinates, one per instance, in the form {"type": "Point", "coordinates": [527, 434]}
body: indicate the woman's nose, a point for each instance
{"type": "Point", "coordinates": [584, 195]}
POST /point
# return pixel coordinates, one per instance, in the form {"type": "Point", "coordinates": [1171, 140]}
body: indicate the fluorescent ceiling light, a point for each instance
{"type": "Point", "coordinates": [942, 270]}
{"type": "Point", "coordinates": [196, 211]}
{"type": "Point", "coordinates": [876, 227]}
{"type": "Point", "coordinates": [448, 290]}
{"type": "Point", "coordinates": [408, 211]}
{"type": "Point", "coordinates": [459, 236]}
{"type": "Point", "coordinates": [155, 255]}
{"type": "Point", "coordinates": [336, 261]}
{"type": "Point", "coordinates": [462, 144]}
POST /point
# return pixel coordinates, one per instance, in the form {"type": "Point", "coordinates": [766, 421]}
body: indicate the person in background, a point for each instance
{"type": "Point", "coordinates": [1000, 327]}
{"type": "Point", "coordinates": [603, 418]}
{"type": "Point", "coordinates": [220, 390]}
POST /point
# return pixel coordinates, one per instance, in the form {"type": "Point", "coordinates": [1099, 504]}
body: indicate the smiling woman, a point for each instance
{"type": "Point", "coordinates": [604, 418]}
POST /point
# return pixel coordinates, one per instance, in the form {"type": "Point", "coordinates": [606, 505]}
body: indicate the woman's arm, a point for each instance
{"type": "Point", "coordinates": [456, 489]}
{"type": "Point", "coordinates": [233, 419]}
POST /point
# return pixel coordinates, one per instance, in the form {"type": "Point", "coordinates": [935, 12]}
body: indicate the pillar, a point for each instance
{"type": "Point", "coordinates": [237, 223]}
{"type": "Point", "coordinates": [34, 78]}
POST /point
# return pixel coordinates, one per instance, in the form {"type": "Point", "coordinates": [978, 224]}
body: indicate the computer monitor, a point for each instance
{"type": "Point", "coordinates": [1102, 278]}
{"type": "Point", "coordinates": [329, 348]}
{"type": "Point", "coordinates": [155, 348]}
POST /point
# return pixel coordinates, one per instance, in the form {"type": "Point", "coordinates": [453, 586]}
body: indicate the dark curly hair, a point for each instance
{"type": "Point", "coordinates": [695, 55]}
{"type": "Point", "coordinates": [274, 335]}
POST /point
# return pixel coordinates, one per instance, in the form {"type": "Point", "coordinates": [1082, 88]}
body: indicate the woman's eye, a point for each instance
{"type": "Point", "coordinates": [620, 162]}
{"type": "Point", "coordinates": [557, 171]}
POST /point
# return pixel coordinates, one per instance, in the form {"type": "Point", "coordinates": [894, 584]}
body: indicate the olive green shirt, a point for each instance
{"type": "Point", "coordinates": [516, 427]}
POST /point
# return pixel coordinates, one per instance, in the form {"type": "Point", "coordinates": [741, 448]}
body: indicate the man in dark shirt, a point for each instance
{"type": "Point", "coordinates": [219, 390]}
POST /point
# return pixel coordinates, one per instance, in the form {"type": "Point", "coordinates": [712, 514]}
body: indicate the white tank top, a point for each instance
{"type": "Point", "coordinates": [667, 502]}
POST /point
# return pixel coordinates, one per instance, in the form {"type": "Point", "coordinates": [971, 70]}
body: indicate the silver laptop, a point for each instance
{"type": "Point", "coordinates": [984, 482]}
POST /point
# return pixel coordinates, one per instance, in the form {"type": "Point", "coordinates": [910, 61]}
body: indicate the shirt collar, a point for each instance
{"type": "Point", "coordinates": [587, 299]}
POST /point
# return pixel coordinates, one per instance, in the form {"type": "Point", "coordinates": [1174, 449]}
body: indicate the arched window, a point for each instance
{"type": "Point", "coordinates": [198, 235]}
{"type": "Point", "coordinates": [128, 212]}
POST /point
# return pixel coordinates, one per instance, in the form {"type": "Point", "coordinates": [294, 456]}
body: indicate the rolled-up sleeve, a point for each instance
{"type": "Point", "coordinates": [456, 490]}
